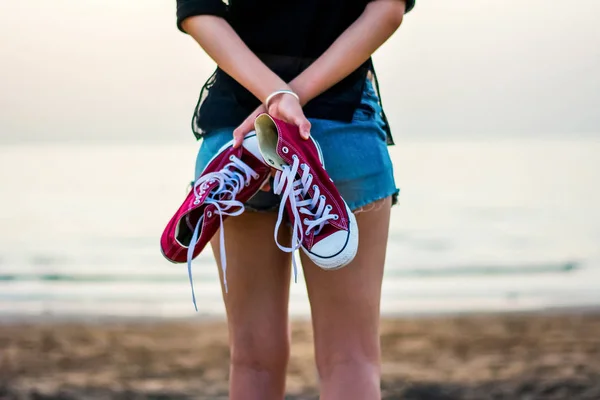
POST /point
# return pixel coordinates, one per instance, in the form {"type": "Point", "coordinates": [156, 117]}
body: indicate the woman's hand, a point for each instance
{"type": "Point", "coordinates": [284, 107]}
{"type": "Point", "coordinates": [377, 23]}
{"type": "Point", "coordinates": [288, 108]}
{"type": "Point", "coordinates": [247, 126]}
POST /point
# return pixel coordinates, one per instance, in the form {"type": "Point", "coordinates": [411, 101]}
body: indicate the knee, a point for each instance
{"type": "Point", "coordinates": [268, 353]}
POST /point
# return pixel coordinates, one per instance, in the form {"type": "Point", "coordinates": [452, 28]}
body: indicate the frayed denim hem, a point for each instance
{"type": "Point", "coordinates": [363, 203]}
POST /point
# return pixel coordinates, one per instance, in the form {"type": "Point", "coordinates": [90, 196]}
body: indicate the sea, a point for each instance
{"type": "Point", "coordinates": [482, 225]}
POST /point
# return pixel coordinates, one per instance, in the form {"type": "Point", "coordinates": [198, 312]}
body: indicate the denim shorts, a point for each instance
{"type": "Point", "coordinates": [355, 153]}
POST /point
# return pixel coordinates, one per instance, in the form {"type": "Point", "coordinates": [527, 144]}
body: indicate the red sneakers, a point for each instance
{"type": "Point", "coordinates": [230, 179]}
{"type": "Point", "coordinates": [322, 223]}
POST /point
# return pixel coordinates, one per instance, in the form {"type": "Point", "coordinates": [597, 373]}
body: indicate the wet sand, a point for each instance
{"type": "Point", "coordinates": [500, 356]}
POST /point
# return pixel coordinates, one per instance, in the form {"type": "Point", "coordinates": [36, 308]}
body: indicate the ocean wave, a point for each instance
{"type": "Point", "coordinates": [396, 271]}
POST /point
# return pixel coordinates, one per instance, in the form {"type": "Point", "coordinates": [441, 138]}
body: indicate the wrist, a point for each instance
{"type": "Point", "coordinates": [304, 89]}
{"type": "Point", "coordinates": [270, 88]}
{"type": "Point", "coordinates": [279, 93]}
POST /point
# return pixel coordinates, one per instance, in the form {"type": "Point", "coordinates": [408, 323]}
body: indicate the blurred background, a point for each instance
{"type": "Point", "coordinates": [494, 109]}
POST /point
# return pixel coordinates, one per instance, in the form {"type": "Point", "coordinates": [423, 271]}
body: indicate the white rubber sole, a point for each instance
{"type": "Point", "coordinates": [346, 255]}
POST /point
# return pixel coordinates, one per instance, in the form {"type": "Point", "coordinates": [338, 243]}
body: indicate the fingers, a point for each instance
{"type": "Point", "coordinates": [246, 127]}
{"type": "Point", "coordinates": [291, 112]}
{"type": "Point", "coordinates": [241, 131]}
{"type": "Point", "coordinates": [287, 109]}
{"type": "Point", "coordinates": [300, 121]}
{"type": "Point", "coordinates": [304, 127]}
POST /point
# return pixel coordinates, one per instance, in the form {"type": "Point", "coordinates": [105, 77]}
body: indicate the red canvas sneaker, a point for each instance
{"type": "Point", "coordinates": [230, 179]}
{"type": "Point", "coordinates": [322, 223]}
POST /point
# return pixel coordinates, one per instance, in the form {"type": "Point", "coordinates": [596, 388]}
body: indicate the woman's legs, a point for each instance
{"type": "Point", "coordinates": [345, 313]}
{"type": "Point", "coordinates": [258, 278]}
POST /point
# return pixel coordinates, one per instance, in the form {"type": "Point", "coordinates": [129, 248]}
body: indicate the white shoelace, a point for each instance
{"type": "Point", "coordinates": [231, 178]}
{"type": "Point", "coordinates": [314, 208]}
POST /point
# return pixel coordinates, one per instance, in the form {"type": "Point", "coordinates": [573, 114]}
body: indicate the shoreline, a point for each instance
{"type": "Point", "coordinates": [548, 354]}
{"type": "Point", "coordinates": [15, 319]}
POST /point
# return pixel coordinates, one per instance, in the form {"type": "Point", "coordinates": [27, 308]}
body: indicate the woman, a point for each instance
{"type": "Point", "coordinates": [320, 50]}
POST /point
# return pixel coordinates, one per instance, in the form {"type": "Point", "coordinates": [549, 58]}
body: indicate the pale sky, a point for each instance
{"type": "Point", "coordinates": [114, 69]}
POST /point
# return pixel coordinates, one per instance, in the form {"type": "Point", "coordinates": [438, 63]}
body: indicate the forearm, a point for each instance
{"type": "Point", "coordinates": [226, 48]}
{"type": "Point", "coordinates": [378, 22]}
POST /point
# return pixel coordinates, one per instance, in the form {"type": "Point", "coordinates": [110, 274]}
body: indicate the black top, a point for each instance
{"type": "Point", "coordinates": [288, 35]}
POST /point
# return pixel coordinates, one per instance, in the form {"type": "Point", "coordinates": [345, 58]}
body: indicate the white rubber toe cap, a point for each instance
{"type": "Point", "coordinates": [337, 250]}
{"type": "Point", "coordinates": [332, 245]}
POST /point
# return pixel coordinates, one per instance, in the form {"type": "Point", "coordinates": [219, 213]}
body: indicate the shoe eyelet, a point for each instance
{"type": "Point", "coordinates": [322, 197]}
{"type": "Point", "coordinates": [315, 187]}
{"type": "Point", "coordinates": [247, 184]}
{"type": "Point", "coordinates": [328, 207]}
{"type": "Point", "coordinates": [303, 166]}
{"type": "Point", "coordinates": [231, 158]}
{"type": "Point", "coordinates": [307, 233]}
{"type": "Point", "coordinates": [336, 217]}
{"type": "Point", "coordinates": [196, 202]}
{"type": "Point", "coordinates": [285, 149]}
{"type": "Point", "coordinates": [256, 176]}
{"type": "Point", "coordinates": [209, 214]}
{"type": "Point", "coordinates": [295, 157]}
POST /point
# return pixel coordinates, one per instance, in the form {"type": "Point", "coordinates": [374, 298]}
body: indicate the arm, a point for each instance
{"type": "Point", "coordinates": [231, 54]}
{"type": "Point", "coordinates": [378, 22]}
{"type": "Point", "coordinates": [226, 48]}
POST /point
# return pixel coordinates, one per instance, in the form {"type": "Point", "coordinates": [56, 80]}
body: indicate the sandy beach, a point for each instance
{"type": "Point", "coordinates": [499, 356]}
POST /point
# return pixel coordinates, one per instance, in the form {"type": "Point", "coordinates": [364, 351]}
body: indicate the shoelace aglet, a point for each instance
{"type": "Point", "coordinates": [192, 285]}
{"type": "Point", "coordinates": [295, 267]}
{"type": "Point", "coordinates": [193, 294]}
{"type": "Point", "coordinates": [223, 254]}
{"type": "Point", "coordinates": [190, 255]}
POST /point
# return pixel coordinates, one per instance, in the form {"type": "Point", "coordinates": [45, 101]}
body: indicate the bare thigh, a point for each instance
{"type": "Point", "coordinates": [258, 277]}
{"type": "Point", "coordinates": [345, 303]}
